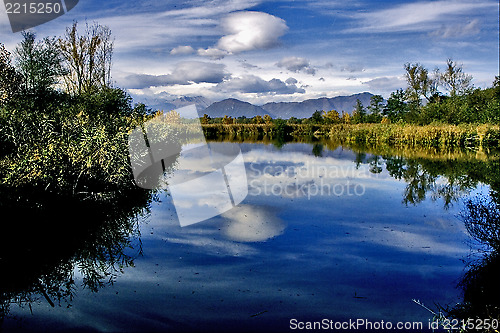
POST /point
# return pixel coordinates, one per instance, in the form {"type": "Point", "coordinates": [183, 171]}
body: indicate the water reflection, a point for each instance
{"type": "Point", "coordinates": [481, 290]}
{"type": "Point", "coordinates": [247, 223]}
{"type": "Point", "coordinates": [287, 248]}
{"type": "Point", "coordinates": [47, 236]}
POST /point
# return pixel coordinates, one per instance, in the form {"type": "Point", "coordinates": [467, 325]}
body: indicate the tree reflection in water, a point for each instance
{"type": "Point", "coordinates": [480, 284]}
{"type": "Point", "coordinates": [450, 180]}
{"type": "Point", "coordinates": [48, 236]}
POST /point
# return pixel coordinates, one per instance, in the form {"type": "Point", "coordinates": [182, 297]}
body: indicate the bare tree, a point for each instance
{"type": "Point", "coordinates": [419, 83]}
{"type": "Point", "coordinates": [454, 79]}
{"type": "Point", "coordinates": [88, 57]}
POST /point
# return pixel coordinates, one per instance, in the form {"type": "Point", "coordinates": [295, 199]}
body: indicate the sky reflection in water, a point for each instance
{"type": "Point", "coordinates": [317, 237]}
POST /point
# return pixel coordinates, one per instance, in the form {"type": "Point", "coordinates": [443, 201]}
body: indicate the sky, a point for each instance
{"type": "Point", "coordinates": [282, 51]}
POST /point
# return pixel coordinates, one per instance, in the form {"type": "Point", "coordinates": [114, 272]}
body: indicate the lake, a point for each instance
{"type": "Point", "coordinates": [325, 234]}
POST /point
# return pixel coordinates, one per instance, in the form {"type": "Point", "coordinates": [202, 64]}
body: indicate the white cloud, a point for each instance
{"type": "Point", "coordinates": [185, 73]}
{"type": "Point", "coordinates": [419, 16]}
{"type": "Point", "coordinates": [252, 224]}
{"type": "Point", "coordinates": [457, 30]}
{"type": "Point", "coordinates": [254, 84]}
{"type": "Point", "coordinates": [182, 49]}
{"type": "Point", "coordinates": [251, 31]}
{"type": "Point", "coordinates": [213, 53]}
{"type": "Point", "coordinates": [297, 64]}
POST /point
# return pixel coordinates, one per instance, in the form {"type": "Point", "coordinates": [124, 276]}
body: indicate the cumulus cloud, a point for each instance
{"type": "Point", "coordinates": [291, 80]}
{"type": "Point", "coordinates": [296, 64]}
{"type": "Point", "coordinates": [255, 84]}
{"type": "Point", "coordinates": [182, 49]}
{"type": "Point", "coordinates": [247, 31]}
{"type": "Point", "coordinates": [244, 31]}
{"type": "Point", "coordinates": [185, 73]}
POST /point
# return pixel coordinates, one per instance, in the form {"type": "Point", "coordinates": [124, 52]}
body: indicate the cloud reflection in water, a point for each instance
{"type": "Point", "coordinates": [247, 223]}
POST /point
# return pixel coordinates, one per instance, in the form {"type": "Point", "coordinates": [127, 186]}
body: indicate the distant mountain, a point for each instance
{"type": "Point", "coordinates": [306, 108]}
{"type": "Point", "coordinates": [162, 103]}
{"type": "Point", "coordinates": [201, 102]}
{"type": "Point", "coordinates": [235, 108]}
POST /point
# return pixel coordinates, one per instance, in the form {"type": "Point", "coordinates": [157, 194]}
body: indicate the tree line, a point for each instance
{"type": "Point", "coordinates": [63, 126]}
{"type": "Point", "coordinates": [446, 96]}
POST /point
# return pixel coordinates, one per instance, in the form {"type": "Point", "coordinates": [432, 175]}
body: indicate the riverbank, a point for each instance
{"type": "Point", "coordinates": [445, 135]}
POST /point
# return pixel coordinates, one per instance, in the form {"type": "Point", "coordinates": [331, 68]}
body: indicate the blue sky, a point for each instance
{"type": "Point", "coordinates": [264, 51]}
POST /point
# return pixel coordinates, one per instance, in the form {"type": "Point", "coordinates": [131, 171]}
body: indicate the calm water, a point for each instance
{"type": "Point", "coordinates": [325, 232]}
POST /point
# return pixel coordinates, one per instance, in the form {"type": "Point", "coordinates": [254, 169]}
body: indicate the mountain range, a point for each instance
{"type": "Point", "coordinates": [284, 110]}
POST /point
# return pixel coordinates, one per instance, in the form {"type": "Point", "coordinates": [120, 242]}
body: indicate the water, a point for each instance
{"type": "Point", "coordinates": [324, 233]}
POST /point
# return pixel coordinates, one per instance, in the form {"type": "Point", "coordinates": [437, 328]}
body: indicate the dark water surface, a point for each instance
{"type": "Point", "coordinates": [324, 233]}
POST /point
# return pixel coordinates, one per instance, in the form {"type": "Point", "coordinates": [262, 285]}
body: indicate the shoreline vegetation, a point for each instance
{"type": "Point", "coordinates": [442, 135]}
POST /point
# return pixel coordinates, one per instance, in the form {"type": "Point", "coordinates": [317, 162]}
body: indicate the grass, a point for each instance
{"type": "Point", "coordinates": [415, 135]}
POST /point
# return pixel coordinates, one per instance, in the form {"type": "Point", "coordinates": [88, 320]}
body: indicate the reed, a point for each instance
{"type": "Point", "coordinates": [415, 135]}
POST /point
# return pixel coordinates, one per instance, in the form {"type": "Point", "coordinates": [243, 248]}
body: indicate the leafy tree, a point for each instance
{"type": "Point", "coordinates": [9, 79]}
{"type": "Point", "coordinates": [243, 120]}
{"type": "Point", "coordinates": [396, 108]}
{"type": "Point", "coordinates": [359, 113]}
{"type": "Point", "coordinates": [227, 120]}
{"type": "Point", "coordinates": [346, 117]}
{"type": "Point", "coordinates": [375, 108]}
{"type": "Point", "coordinates": [294, 120]}
{"type": "Point", "coordinates": [420, 84]}
{"type": "Point", "coordinates": [39, 63]}
{"type": "Point", "coordinates": [316, 118]}
{"type": "Point", "coordinates": [258, 119]}
{"type": "Point", "coordinates": [205, 119]}
{"type": "Point", "coordinates": [268, 119]}
{"type": "Point", "coordinates": [331, 117]}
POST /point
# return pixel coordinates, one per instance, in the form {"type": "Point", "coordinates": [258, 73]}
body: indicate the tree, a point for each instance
{"type": "Point", "coordinates": [419, 83]}
{"type": "Point", "coordinates": [455, 80]}
{"type": "Point", "coordinates": [375, 108]}
{"type": "Point", "coordinates": [205, 119]}
{"type": "Point", "coordinates": [258, 120]}
{"type": "Point", "coordinates": [294, 120]}
{"type": "Point", "coordinates": [268, 119]}
{"type": "Point", "coordinates": [359, 113]}
{"type": "Point", "coordinates": [172, 117]}
{"type": "Point", "coordinates": [227, 120]}
{"type": "Point", "coordinates": [316, 118]}
{"type": "Point", "coordinates": [9, 79]}
{"type": "Point", "coordinates": [39, 63]}
{"type": "Point", "coordinates": [88, 57]}
{"type": "Point", "coordinates": [346, 117]}
{"type": "Point", "coordinates": [331, 117]}
{"type": "Point", "coordinates": [396, 108]}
